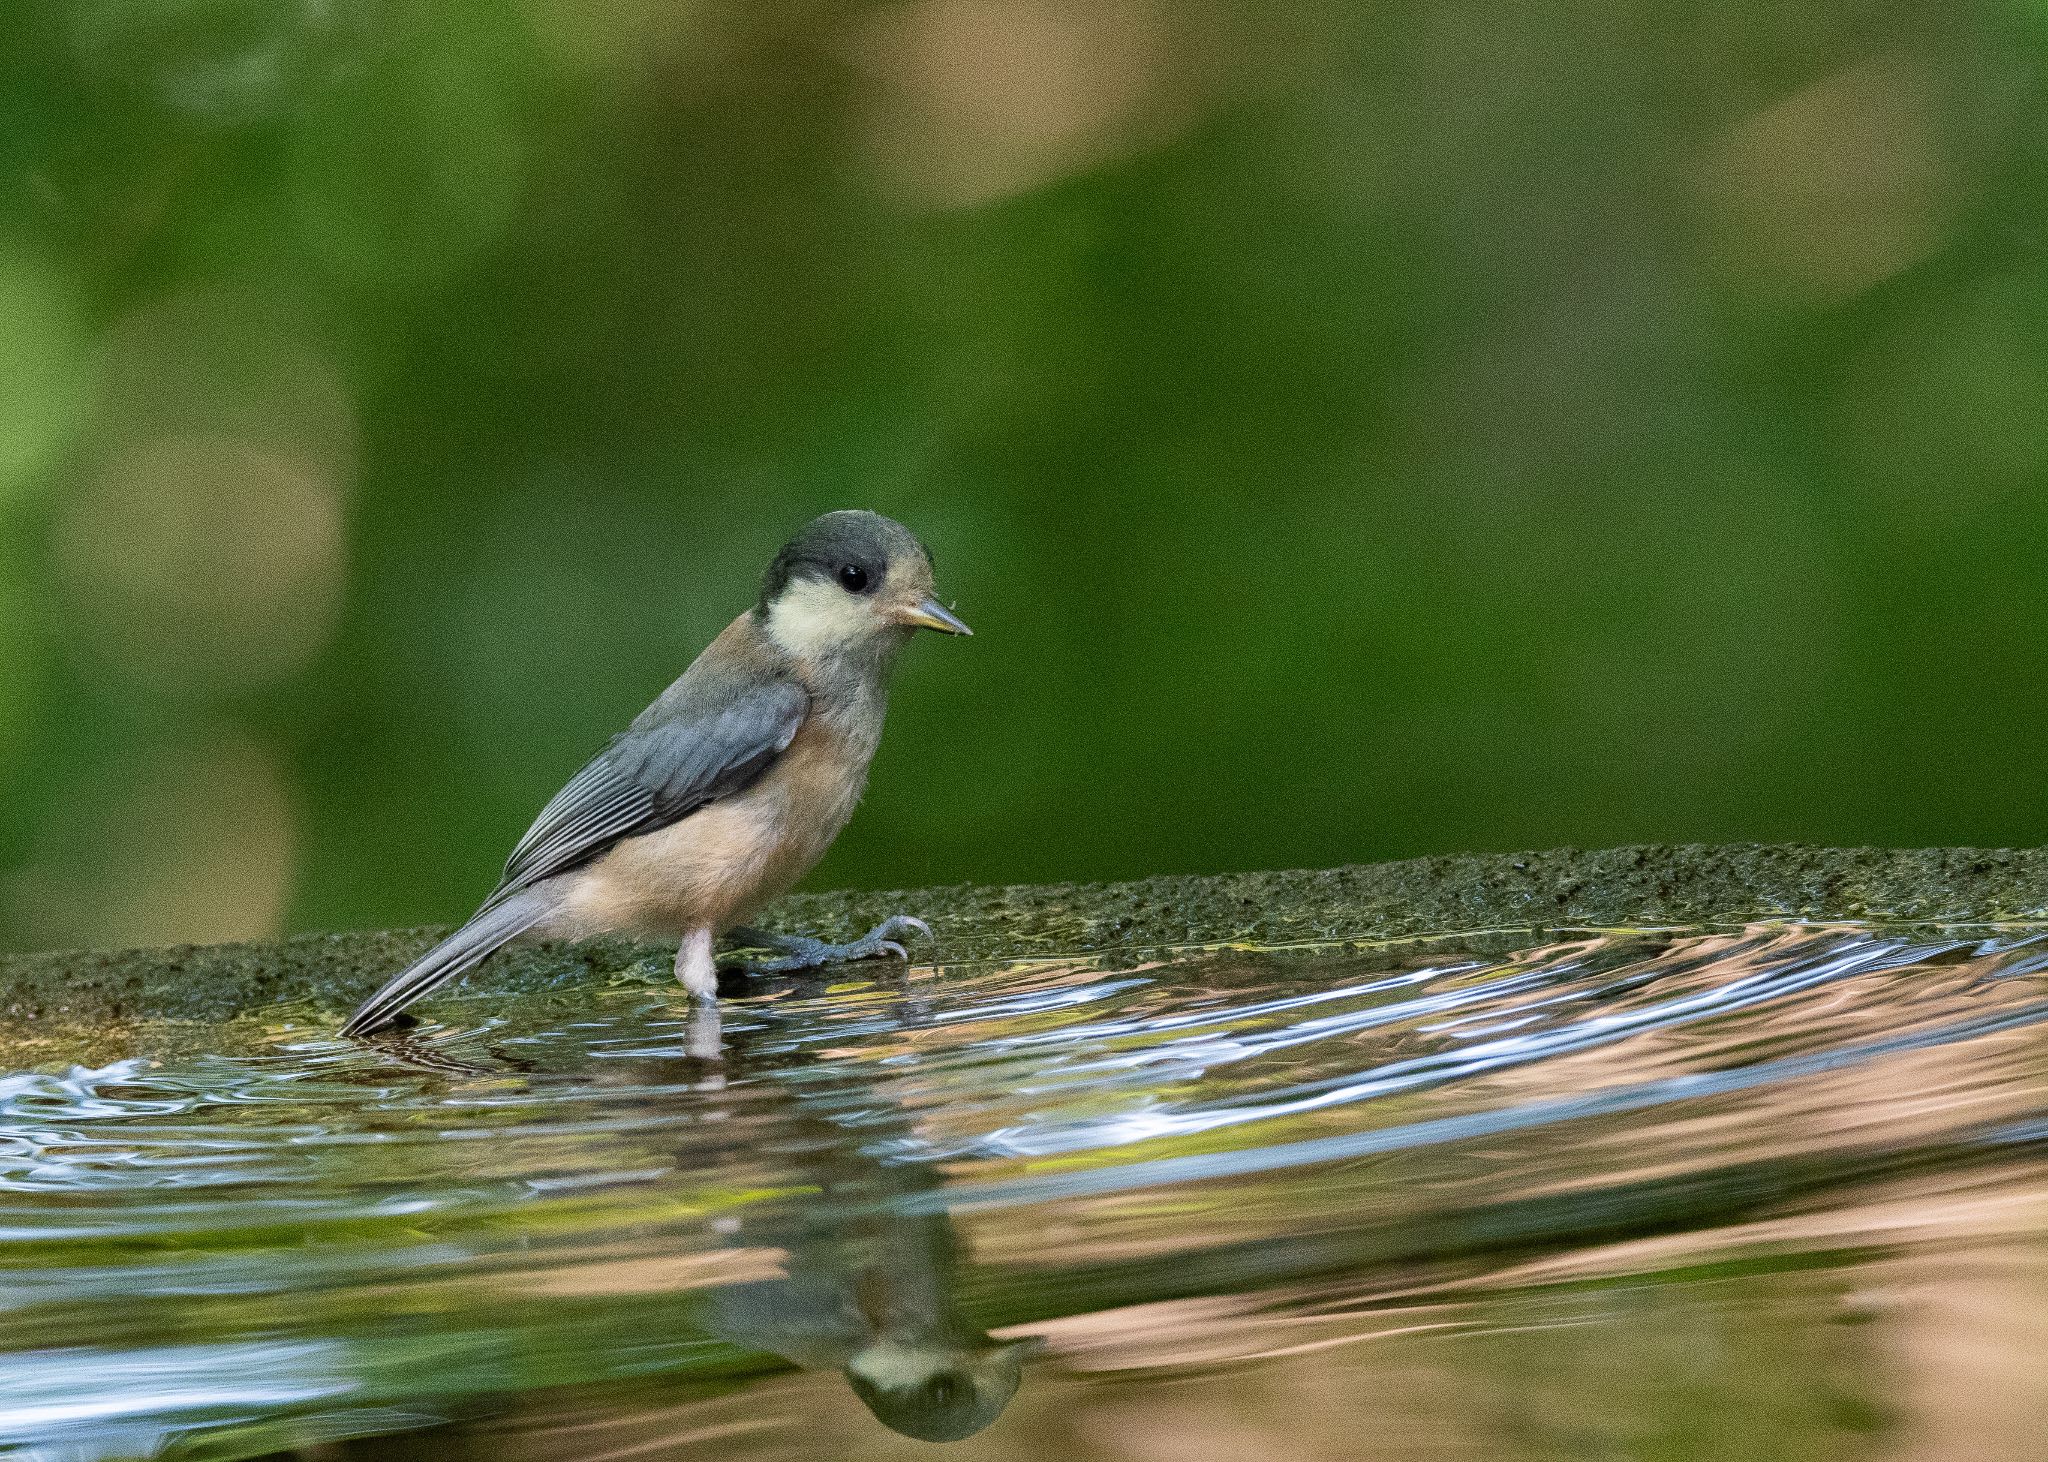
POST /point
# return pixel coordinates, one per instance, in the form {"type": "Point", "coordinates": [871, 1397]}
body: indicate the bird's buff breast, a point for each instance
{"type": "Point", "coordinates": [717, 865]}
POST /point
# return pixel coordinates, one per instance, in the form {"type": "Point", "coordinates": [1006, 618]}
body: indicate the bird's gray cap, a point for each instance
{"type": "Point", "coordinates": [853, 536]}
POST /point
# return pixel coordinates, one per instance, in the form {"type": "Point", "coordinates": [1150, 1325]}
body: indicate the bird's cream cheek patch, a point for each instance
{"type": "Point", "coordinates": [810, 617]}
{"type": "Point", "coordinates": [890, 1364]}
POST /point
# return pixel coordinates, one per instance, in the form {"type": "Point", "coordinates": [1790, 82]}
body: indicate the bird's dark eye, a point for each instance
{"type": "Point", "coordinates": [853, 578]}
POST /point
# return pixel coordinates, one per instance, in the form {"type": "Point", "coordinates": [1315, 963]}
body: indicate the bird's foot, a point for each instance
{"type": "Point", "coordinates": [802, 953]}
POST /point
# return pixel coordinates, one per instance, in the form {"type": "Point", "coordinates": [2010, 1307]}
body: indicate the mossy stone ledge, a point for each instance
{"type": "Point", "coordinates": [42, 994]}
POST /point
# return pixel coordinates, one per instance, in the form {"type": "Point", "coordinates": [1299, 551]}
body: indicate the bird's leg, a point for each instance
{"type": "Point", "coordinates": [694, 965]}
{"type": "Point", "coordinates": [802, 953]}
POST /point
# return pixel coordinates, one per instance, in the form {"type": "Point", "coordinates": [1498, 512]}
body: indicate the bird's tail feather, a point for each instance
{"type": "Point", "coordinates": [489, 928]}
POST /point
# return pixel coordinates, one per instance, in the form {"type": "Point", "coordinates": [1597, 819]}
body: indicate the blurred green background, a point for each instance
{"type": "Point", "coordinates": [1353, 430]}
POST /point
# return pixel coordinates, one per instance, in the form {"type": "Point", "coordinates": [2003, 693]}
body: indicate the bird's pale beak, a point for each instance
{"type": "Point", "coordinates": [928, 613]}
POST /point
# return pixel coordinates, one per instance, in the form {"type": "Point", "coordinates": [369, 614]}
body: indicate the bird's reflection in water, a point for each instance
{"type": "Point", "coordinates": [872, 1297]}
{"type": "Point", "coordinates": [865, 1288]}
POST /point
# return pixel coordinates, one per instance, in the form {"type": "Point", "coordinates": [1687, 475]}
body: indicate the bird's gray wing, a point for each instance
{"type": "Point", "coordinates": [691, 749]}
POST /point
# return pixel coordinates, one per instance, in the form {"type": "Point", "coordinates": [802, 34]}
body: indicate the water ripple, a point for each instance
{"type": "Point", "coordinates": [1180, 1126]}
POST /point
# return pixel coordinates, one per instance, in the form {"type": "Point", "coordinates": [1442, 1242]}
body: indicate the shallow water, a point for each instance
{"type": "Point", "coordinates": [1743, 1193]}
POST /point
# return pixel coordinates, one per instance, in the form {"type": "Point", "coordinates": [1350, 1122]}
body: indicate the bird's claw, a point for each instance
{"type": "Point", "coordinates": [800, 953]}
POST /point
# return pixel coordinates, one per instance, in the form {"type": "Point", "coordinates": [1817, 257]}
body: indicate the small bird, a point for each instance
{"type": "Point", "coordinates": [729, 787]}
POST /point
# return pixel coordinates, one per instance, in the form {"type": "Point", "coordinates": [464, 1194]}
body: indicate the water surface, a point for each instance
{"type": "Point", "coordinates": [1756, 1192]}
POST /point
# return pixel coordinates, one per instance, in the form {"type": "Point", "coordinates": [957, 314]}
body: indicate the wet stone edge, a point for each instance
{"type": "Point", "coordinates": [1562, 888]}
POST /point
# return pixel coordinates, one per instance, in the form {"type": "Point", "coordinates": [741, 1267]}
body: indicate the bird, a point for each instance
{"type": "Point", "coordinates": [730, 786]}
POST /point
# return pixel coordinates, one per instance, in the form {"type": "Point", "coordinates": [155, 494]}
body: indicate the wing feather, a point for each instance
{"type": "Point", "coordinates": [690, 750]}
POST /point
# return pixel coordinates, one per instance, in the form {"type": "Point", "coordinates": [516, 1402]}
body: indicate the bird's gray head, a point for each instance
{"type": "Point", "coordinates": [939, 1392]}
{"type": "Point", "coordinates": [851, 586]}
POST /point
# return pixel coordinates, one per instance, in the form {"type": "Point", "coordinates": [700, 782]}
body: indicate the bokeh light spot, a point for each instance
{"type": "Point", "coordinates": [201, 564]}
{"type": "Point", "coordinates": [977, 100]}
{"type": "Point", "coordinates": [229, 364]}
{"type": "Point", "coordinates": [1834, 189]}
{"type": "Point", "coordinates": [191, 845]}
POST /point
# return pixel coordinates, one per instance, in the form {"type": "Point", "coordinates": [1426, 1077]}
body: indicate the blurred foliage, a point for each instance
{"type": "Point", "coordinates": [1354, 430]}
